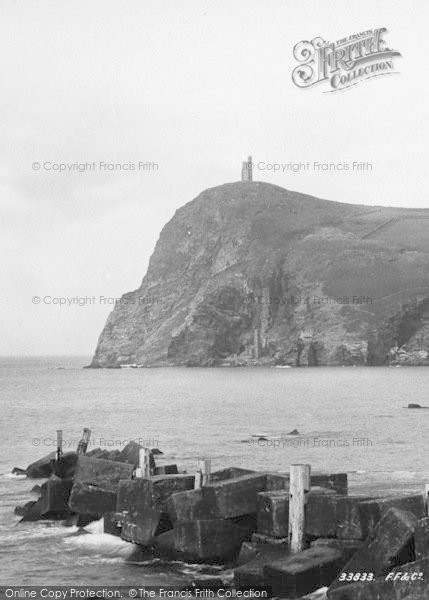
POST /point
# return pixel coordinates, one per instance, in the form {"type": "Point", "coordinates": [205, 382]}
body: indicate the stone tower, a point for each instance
{"type": "Point", "coordinates": [246, 170]}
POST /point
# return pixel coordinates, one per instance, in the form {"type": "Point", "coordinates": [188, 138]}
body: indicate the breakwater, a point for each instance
{"type": "Point", "coordinates": [287, 533]}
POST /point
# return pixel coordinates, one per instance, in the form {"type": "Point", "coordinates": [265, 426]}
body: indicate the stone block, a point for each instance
{"type": "Point", "coordinates": [251, 574]}
{"type": "Point", "coordinates": [88, 499]}
{"type": "Point", "coordinates": [190, 505]}
{"type": "Point", "coordinates": [98, 472]}
{"type": "Point", "coordinates": [209, 539]}
{"type": "Point", "coordinates": [371, 511]}
{"type": "Point", "coordinates": [144, 504]}
{"type": "Point", "coordinates": [421, 538]}
{"type": "Point", "coordinates": [111, 524]}
{"type": "Point", "coordinates": [347, 547]}
{"type": "Point", "coordinates": [166, 470]}
{"type": "Point", "coordinates": [229, 473]}
{"type": "Point", "coordinates": [235, 497]}
{"type": "Point", "coordinates": [332, 515]}
{"type": "Point", "coordinates": [388, 545]}
{"type": "Point", "coordinates": [302, 573]}
{"type": "Point", "coordinates": [273, 513]}
{"type": "Point", "coordinates": [53, 501]}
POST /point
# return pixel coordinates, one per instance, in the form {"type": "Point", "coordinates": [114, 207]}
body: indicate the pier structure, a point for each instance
{"type": "Point", "coordinates": [290, 533]}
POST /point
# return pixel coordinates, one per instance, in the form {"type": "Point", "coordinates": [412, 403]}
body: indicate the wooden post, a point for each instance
{"type": "Point", "coordinates": [426, 498]}
{"type": "Point", "coordinates": [205, 468]}
{"type": "Point", "coordinates": [84, 441]}
{"type": "Point", "coordinates": [143, 470]}
{"type": "Point", "coordinates": [59, 452]}
{"type": "Point", "coordinates": [198, 480]}
{"type": "Point", "coordinates": [298, 494]}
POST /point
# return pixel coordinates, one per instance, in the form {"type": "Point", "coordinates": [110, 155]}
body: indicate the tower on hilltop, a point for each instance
{"type": "Point", "coordinates": [246, 170]}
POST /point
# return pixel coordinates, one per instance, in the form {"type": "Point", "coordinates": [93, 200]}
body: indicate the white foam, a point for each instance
{"type": "Point", "coordinates": [14, 476]}
{"type": "Point", "coordinates": [95, 541]}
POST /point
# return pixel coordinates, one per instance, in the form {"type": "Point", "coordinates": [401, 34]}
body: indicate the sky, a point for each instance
{"type": "Point", "coordinates": [190, 88]}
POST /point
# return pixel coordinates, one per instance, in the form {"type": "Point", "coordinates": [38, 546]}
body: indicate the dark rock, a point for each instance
{"type": "Point", "coordinates": [156, 451]}
{"type": "Point", "coordinates": [294, 432]}
{"type": "Point", "coordinates": [414, 406]}
{"type": "Point", "coordinates": [36, 489]}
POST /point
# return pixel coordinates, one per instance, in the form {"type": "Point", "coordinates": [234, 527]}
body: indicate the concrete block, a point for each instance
{"type": "Point", "coordinates": [209, 539]}
{"type": "Point", "coordinates": [53, 501]}
{"type": "Point", "coordinates": [190, 505]}
{"type": "Point", "coordinates": [273, 513]}
{"type": "Point", "coordinates": [88, 499]}
{"type": "Point", "coordinates": [145, 504]}
{"type": "Point", "coordinates": [302, 573]}
{"type": "Point", "coordinates": [102, 473]}
{"type": "Point", "coordinates": [248, 552]}
{"type": "Point", "coordinates": [338, 482]}
{"type": "Point", "coordinates": [111, 524]}
{"type": "Point", "coordinates": [332, 515]}
{"type": "Point", "coordinates": [390, 544]}
{"type": "Point", "coordinates": [229, 473]}
{"type": "Point", "coordinates": [371, 511]}
{"type": "Point", "coordinates": [421, 538]}
{"type": "Point", "coordinates": [166, 470]}
{"type": "Point", "coordinates": [347, 547]}
{"type": "Point", "coordinates": [251, 574]}
{"type": "Point", "coordinates": [235, 497]}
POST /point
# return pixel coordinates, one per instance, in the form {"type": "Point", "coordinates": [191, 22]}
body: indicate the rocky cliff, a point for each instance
{"type": "Point", "coordinates": [251, 273]}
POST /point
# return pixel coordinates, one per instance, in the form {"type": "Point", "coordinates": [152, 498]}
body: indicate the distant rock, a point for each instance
{"type": "Point", "coordinates": [294, 432]}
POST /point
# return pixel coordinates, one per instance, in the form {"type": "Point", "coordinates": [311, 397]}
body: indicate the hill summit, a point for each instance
{"type": "Point", "coordinates": [251, 273]}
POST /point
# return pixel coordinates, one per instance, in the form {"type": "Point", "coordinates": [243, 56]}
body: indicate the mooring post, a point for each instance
{"type": "Point", "coordinates": [144, 462]}
{"type": "Point", "coordinates": [298, 495]}
{"type": "Point", "coordinates": [205, 468]}
{"type": "Point", "coordinates": [426, 498]}
{"type": "Point", "coordinates": [198, 480]}
{"type": "Point", "coordinates": [84, 441]}
{"type": "Point", "coordinates": [59, 452]}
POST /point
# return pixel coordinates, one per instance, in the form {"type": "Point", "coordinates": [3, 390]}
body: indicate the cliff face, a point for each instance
{"type": "Point", "coordinates": [251, 273]}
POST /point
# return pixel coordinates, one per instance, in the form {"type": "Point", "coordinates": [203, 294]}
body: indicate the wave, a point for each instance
{"type": "Point", "coordinates": [13, 476]}
{"type": "Point", "coordinates": [94, 541]}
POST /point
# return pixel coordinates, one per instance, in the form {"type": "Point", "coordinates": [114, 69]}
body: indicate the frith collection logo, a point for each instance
{"type": "Point", "coordinates": [344, 63]}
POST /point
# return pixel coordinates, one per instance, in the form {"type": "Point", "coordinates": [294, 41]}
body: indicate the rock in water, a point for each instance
{"type": "Point", "coordinates": [224, 285]}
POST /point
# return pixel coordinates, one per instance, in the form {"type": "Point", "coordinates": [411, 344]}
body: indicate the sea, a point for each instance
{"type": "Point", "coordinates": [345, 419]}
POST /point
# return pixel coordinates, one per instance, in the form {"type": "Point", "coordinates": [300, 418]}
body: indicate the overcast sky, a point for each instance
{"type": "Point", "coordinates": [194, 86]}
